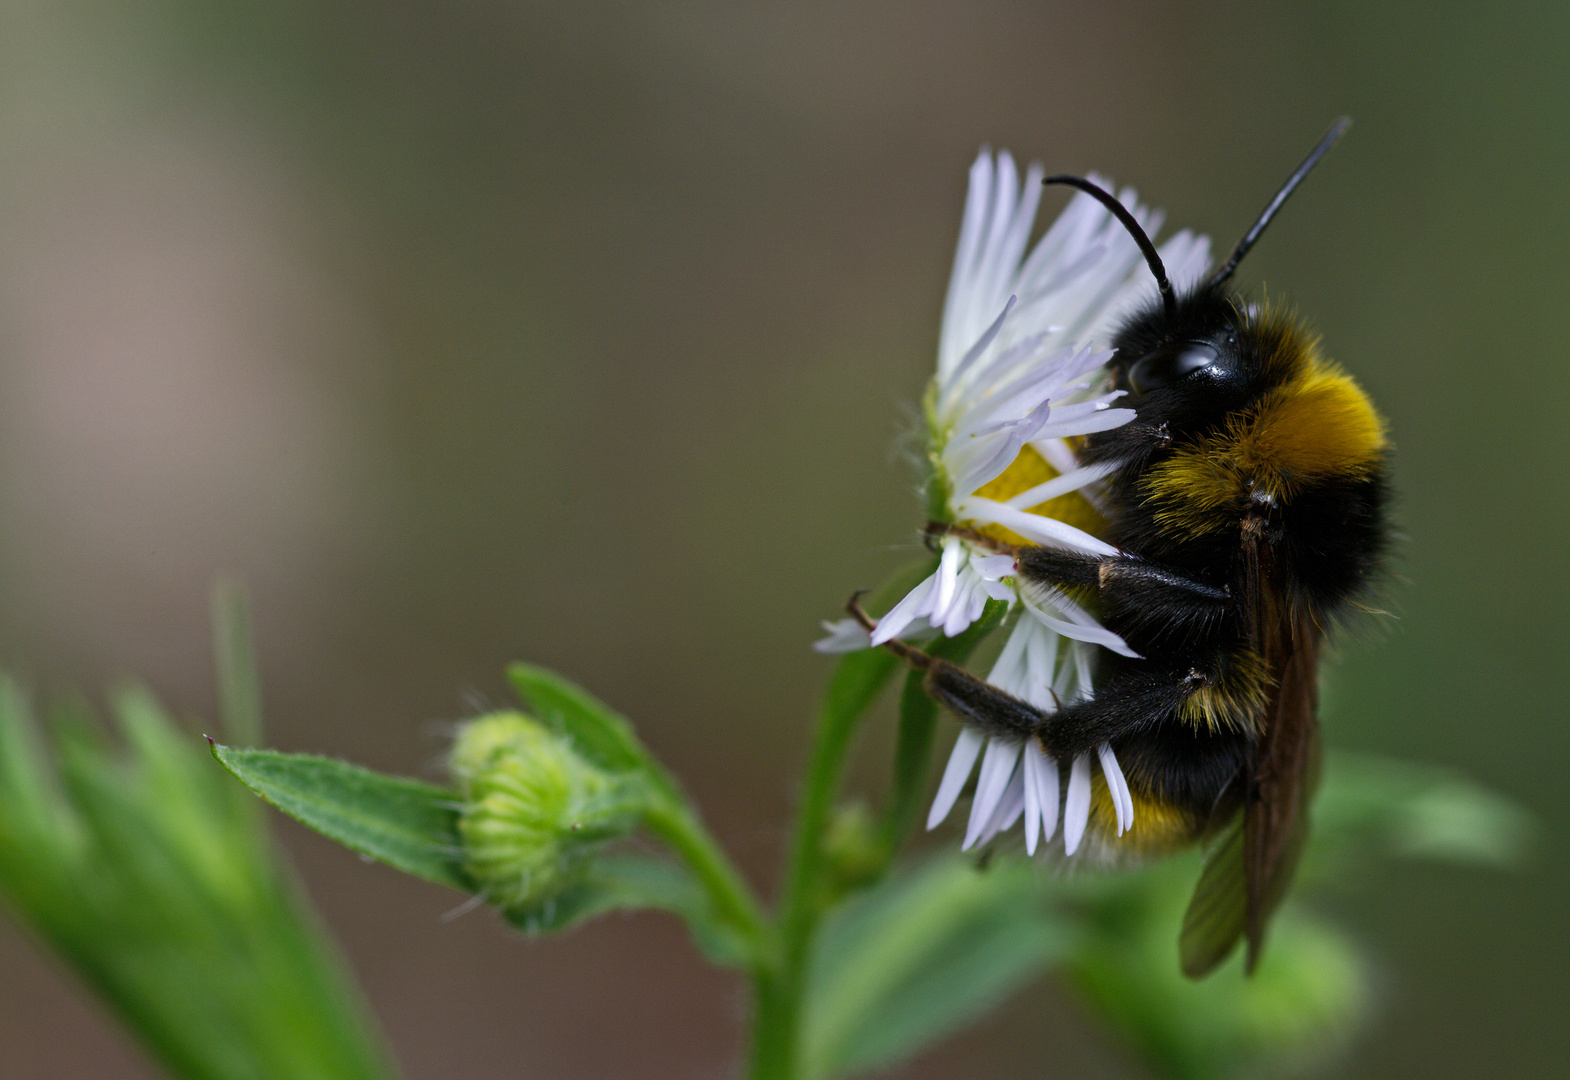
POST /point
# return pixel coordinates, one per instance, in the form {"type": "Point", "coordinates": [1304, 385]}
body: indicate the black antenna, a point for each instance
{"type": "Point", "coordinates": [1337, 130]}
{"type": "Point", "coordinates": [1119, 211]}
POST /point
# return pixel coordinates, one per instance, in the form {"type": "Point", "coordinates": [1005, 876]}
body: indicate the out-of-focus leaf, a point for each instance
{"type": "Point", "coordinates": [1307, 993]}
{"type": "Point", "coordinates": [919, 956]}
{"type": "Point", "coordinates": [1372, 806]}
{"type": "Point", "coordinates": [857, 680]}
{"type": "Point", "coordinates": [629, 882]}
{"type": "Point", "coordinates": [409, 825]}
{"type": "Point", "coordinates": [149, 873]}
{"type": "Point", "coordinates": [597, 731]}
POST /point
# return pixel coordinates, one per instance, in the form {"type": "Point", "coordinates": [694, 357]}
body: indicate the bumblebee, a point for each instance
{"type": "Point", "coordinates": [1247, 505]}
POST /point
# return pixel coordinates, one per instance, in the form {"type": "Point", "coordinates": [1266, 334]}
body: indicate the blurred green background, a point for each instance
{"type": "Point", "coordinates": [475, 331]}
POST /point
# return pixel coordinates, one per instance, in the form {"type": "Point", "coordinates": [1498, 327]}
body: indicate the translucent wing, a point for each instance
{"type": "Point", "coordinates": [1255, 854]}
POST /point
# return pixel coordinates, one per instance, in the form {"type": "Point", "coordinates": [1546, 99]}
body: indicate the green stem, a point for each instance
{"type": "Point", "coordinates": [779, 986]}
{"type": "Point", "coordinates": [918, 720]}
{"type": "Point", "coordinates": [677, 825]}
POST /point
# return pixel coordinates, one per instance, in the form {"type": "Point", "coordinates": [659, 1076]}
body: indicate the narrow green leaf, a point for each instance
{"type": "Point", "coordinates": [29, 807]}
{"type": "Point", "coordinates": [628, 882]}
{"type": "Point", "coordinates": [598, 732]}
{"type": "Point", "coordinates": [150, 876]}
{"type": "Point", "coordinates": [404, 823]}
{"type": "Point", "coordinates": [857, 680]}
{"type": "Point", "coordinates": [919, 956]}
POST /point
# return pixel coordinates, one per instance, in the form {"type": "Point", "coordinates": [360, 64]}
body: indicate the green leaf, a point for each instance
{"type": "Point", "coordinates": [149, 873]}
{"type": "Point", "coordinates": [1374, 806]}
{"type": "Point", "coordinates": [404, 823]}
{"type": "Point", "coordinates": [597, 731]}
{"type": "Point", "coordinates": [857, 680]}
{"type": "Point", "coordinates": [1308, 992]}
{"type": "Point", "coordinates": [920, 955]}
{"type": "Point", "coordinates": [627, 882]}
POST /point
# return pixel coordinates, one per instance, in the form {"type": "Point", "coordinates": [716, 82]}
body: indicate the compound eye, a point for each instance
{"type": "Point", "coordinates": [1169, 364]}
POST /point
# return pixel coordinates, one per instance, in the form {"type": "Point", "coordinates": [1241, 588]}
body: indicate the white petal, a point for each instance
{"type": "Point", "coordinates": [966, 605]}
{"type": "Point", "coordinates": [1076, 808]}
{"type": "Point", "coordinates": [1105, 420]}
{"type": "Point", "coordinates": [917, 603]}
{"type": "Point", "coordinates": [845, 635]}
{"type": "Point", "coordinates": [997, 590]}
{"type": "Point", "coordinates": [1041, 796]}
{"type": "Point", "coordinates": [961, 760]}
{"type": "Point", "coordinates": [997, 766]}
{"type": "Point", "coordinates": [948, 570]}
{"type": "Point", "coordinates": [1059, 454]}
{"type": "Point", "coordinates": [1040, 654]}
{"type": "Point", "coordinates": [973, 227]}
{"type": "Point", "coordinates": [993, 270]}
{"type": "Point", "coordinates": [1009, 667]}
{"type": "Point", "coordinates": [980, 346]}
{"type": "Point", "coordinates": [994, 567]}
{"type": "Point", "coordinates": [1094, 635]}
{"type": "Point", "coordinates": [1010, 806]}
{"type": "Point", "coordinates": [1060, 485]}
{"type": "Point", "coordinates": [1046, 772]}
{"type": "Point", "coordinates": [1032, 798]}
{"type": "Point", "coordinates": [1034, 527]}
{"type": "Point", "coordinates": [1117, 787]}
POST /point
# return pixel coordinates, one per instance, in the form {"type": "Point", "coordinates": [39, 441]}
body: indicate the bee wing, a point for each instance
{"type": "Point", "coordinates": [1255, 855]}
{"type": "Point", "coordinates": [1218, 913]}
{"type": "Point", "coordinates": [1286, 771]}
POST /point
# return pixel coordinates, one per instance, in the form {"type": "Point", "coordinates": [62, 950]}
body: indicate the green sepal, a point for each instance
{"type": "Point", "coordinates": [628, 882]}
{"type": "Point", "coordinates": [598, 732]}
{"type": "Point", "coordinates": [910, 961]}
{"type": "Point", "coordinates": [409, 825]}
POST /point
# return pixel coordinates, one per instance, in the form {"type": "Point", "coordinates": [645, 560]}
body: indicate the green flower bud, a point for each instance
{"type": "Point", "coordinates": [534, 811]}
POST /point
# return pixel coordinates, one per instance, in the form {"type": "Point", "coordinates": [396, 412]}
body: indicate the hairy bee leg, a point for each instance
{"type": "Point", "coordinates": [1118, 709]}
{"type": "Point", "coordinates": [1132, 591]}
{"type": "Point", "coordinates": [980, 704]}
{"type": "Point", "coordinates": [980, 539]}
{"type": "Point", "coordinates": [969, 697]}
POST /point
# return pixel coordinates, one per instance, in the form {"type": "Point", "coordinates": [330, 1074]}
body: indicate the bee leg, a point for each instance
{"type": "Point", "coordinates": [980, 704]}
{"type": "Point", "coordinates": [980, 539]}
{"type": "Point", "coordinates": [1134, 593]}
{"type": "Point", "coordinates": [1119, 708]}
{"type": "Point", "coordinates": [969, 697]}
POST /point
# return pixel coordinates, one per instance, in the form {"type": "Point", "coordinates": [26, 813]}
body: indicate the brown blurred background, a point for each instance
{"type": "Point", "coordinates": [585, 334]}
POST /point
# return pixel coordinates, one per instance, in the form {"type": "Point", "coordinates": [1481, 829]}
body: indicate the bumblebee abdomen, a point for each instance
{"type": "Point", "coordinates": [1160, 827]}
{"type": "Point", "coordinates": [1179, 779]}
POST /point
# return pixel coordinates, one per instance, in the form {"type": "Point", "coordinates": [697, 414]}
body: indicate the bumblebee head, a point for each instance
{"type": "Point", "coordinates": [1184, 371]}
{"type": "Point", "coordinates": [1188, 360]}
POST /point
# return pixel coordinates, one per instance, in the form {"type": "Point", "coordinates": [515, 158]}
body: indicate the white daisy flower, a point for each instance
{"type": "Point", "coordinates": [1024, 342]}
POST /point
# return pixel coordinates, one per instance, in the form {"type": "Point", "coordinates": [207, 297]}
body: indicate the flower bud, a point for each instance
{"type": "Point", "coordinates": [534, 811]}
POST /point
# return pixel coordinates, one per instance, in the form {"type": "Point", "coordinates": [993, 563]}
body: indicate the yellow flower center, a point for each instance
{"type": "Point", "coordinates": [1029, 470]}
